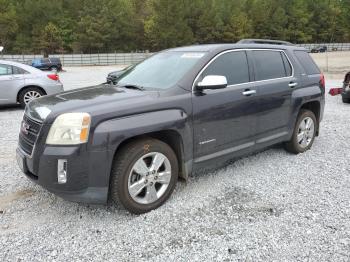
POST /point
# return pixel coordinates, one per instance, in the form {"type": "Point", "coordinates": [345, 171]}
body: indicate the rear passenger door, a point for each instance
{"type": "Point", "coordinates": [275, 82]}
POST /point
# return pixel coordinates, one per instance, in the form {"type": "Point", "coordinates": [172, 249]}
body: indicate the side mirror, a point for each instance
{"type": "Point", "coordinates": [212, 82]}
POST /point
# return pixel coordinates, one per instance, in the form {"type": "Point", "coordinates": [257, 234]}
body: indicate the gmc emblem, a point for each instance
{"type": "Point", "coordinates": [24, 128]}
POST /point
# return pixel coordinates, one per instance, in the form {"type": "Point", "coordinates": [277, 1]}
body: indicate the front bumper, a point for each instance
{"type": "Point", "coordinates": [87, 172]}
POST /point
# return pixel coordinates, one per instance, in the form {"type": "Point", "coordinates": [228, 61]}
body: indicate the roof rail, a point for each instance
{"type": "Point", "coordinates": [263, 41]}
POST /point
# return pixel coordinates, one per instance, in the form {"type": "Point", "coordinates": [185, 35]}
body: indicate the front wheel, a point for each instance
{"type": "Point", "coordinates": [304, 133]}
{"type": "Point", "coordinates": [144, 175]}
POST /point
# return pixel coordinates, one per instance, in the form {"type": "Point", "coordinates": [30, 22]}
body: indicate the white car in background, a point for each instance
{"type": "Point", "coordinates": [19, 83]}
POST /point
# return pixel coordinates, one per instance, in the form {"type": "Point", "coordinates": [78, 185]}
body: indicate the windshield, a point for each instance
{"type": "Point", "coordinates": [160, 71]}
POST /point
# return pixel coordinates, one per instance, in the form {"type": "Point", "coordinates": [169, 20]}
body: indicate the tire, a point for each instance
{"type": "Point", "coordinates": [25, 94]}
{"type": "Point", "coordinates": [124, 176]}
{"type": "Point", "coordinates": [345, 100]}
{"type": "Point", "coordinates": [296, 146]}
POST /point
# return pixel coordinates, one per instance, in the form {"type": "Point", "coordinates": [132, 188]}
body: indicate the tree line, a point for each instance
{"type": "Point", "coordinates": [84, 26]}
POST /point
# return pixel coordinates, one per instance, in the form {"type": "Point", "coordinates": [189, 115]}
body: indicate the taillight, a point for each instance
{"type": "Point", "coordinates": [322, 81]}
{"type": "Point", "coordinates": [54, 77]}
{"type": "Point", "coordinates": [335, 91]}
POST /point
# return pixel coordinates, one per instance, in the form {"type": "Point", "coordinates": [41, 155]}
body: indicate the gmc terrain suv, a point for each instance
{"type": "Point", "coordinates": [180, 110]}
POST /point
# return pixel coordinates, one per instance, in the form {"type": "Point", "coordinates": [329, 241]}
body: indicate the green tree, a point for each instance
{"type": "Point", "coordinates": [167, 26]}
{"type": "Point", "coordinates": [50, 40]}
{"type": "Point", "coordinates": [8, 24]}
{"type": "Point", "coordinates": [127, 25]}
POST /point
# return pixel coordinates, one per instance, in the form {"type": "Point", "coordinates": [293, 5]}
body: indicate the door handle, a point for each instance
{"type": "Point", "coordinates": [248, 92]}
{"type": "Point", "coordinates": [292, 84]}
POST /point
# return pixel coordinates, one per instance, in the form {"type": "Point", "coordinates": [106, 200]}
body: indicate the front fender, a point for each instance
{"type": "Point", "coordinates": [108, 135]}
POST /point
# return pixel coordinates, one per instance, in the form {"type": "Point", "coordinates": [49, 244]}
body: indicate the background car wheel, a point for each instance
{"type": "Point", "coordinates": [304, 133]}
{"type": "Point", "coordinates": [144, 175]}
{"type": "Point", "coordinates": [28, 94]}
{"type": "Point", "coordinates": [346, 100]}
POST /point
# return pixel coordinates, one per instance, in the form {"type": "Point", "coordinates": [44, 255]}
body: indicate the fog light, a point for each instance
{"type": "Point", "coordinates": [62, 171]}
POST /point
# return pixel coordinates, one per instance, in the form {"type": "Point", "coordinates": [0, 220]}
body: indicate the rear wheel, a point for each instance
{"type": "Point", "coordinates": [304, 133]}
{"type": "Point", "coordinates": [28, 94]}
{"type": "Point", "coordinates": [144, 175]}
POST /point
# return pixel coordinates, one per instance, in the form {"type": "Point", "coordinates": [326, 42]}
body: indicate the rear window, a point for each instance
{"type": "Point", "coordinates": [307, 63]}
{"type": "Point", "coordinates": [270, 65]}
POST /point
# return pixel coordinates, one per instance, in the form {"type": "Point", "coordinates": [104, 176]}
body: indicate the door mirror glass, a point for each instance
{"type": "Point", "coordinates": [212, 82]}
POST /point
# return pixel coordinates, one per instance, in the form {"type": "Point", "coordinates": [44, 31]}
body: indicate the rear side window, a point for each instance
{"type": "Point", "coordinates": [307, 63]}
{"type": "Point", "coordinates": [270, 65]}
{"type": "Point", "coordinates": [18, 71]}
{"type": "Point", "coordinates": [55, 60]}
{"type": "Point", "coordinates": [232, 65]}
{"type": "Point", "coordinates": [287, 65]}
{"type": "Point", "coordinates": [5, 70]}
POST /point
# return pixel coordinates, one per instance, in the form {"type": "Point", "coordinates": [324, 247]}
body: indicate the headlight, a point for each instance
{"type": "Point", "coordinates": [69, 129]}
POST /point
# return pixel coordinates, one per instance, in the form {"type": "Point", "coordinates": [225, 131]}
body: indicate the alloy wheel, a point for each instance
{"type": "Point", "coordinates": [149, 178]}
{"type": "Point", "coordinates": [306, 132]}
{"type": "Point", "coordinates": [30, 95]}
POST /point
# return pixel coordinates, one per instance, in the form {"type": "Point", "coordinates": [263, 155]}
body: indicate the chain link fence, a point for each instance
{"type": "Point", "coordinates": [133, 58]}
{"type": "Point", "coordinates": [330, 46]}
{"type": "Point", "coordinates": [86, 59]}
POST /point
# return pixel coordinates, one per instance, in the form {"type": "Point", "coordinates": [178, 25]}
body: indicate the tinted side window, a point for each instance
{"type": "Point", "coordinates": [287, 65]}
{"type": "Point", "coordinates": [233, 65]}
{"type": "Point", "coordinates": [5, 70]}
{"type": "Point", "coordinates": [268, 65]}
{"type": "Point", "coordinates": [307, 63]}
{"type": "Point", "coordinates": [55, 60]}
{"type": "Point", "coordinates": [18, 71]}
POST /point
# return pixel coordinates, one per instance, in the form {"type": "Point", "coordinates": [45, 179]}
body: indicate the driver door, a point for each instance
{"type": "Point", "coordinates": [225, 119]}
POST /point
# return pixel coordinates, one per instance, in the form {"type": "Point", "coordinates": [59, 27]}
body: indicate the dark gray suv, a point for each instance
{"type": "Point", "coordinates": [178, 111]}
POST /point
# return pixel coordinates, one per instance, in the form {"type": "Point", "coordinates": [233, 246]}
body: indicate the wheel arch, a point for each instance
{"type": "Point", "coordinates": [29, 86]}
{"type": "Point", "coordinates": [171, 138]}
{"type": "Point", "coordinates": [315, 107]}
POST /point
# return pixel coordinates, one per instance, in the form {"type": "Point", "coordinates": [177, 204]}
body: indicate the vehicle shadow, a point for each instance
{"type": "Point", "coordinates": [10, 108]}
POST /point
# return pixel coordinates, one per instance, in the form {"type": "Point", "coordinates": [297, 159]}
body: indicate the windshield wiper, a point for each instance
{"type": "Point", "coordinates": [137, 87]}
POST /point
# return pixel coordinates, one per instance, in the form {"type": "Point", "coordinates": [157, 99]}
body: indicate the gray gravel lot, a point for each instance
{"type": "Point", "coordinates": [271, 206]}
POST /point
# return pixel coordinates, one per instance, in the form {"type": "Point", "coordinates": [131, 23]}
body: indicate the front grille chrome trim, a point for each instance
{"type": "Point", "coordinates": [33, 131]}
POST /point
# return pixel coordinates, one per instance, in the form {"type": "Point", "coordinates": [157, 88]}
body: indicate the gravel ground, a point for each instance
{"type": "Point", "coordinates": [272, 206]}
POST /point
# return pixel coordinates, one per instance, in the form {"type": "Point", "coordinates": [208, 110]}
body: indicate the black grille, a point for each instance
{"type": "Point", "coordinates": [28, 134]}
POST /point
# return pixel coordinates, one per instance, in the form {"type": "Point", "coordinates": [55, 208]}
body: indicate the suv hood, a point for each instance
{"type": "Point", "coordinates": [88, 99]}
